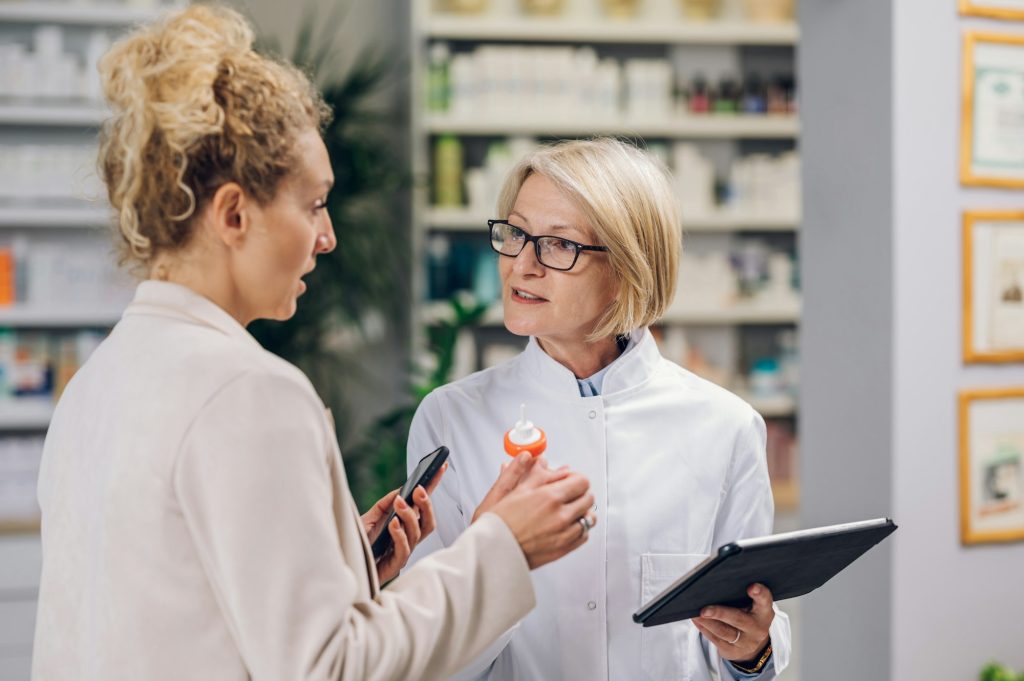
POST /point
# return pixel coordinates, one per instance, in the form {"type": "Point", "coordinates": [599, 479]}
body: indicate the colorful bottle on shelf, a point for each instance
{"type": "Point", "coordinates": [525, 437]}
{"type": "Point", "coordinates": [448, 172]}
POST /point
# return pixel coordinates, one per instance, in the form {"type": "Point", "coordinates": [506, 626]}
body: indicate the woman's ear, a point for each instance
{"type": "Point", "coordinates": [227, 218]}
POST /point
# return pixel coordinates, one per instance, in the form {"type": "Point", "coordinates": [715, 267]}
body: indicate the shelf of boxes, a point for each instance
{"type": "Point", "coordinates": [79, 13]}
{"type": "Point", "coordinates": [740, 313]}
{"type": "Point", "coordinates": [25, 413]}
{"type": "Point", "coordinates": [53, 115]}
{"type": "Point", "coordinates": [731, 126]}
{"type": "Point", "coordinates": [787, 495]}
{"type": "Point", "coordinates": [59, 317]}
{"type": "Point", "coordinates": [587, 30]}
{"type": "Point", "coordinates": [83, 216]}
{"type": "Point", "coordinates": [463, 220]}
{"type": "Point", "coordinates": [779, 406]}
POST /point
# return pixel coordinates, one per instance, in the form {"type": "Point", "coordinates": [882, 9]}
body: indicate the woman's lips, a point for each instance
{"type": "Point", "coordinates": [527, 299]}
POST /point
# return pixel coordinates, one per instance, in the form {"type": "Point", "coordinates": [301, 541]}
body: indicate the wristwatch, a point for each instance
{"type": "Point", "coordinates": [757, 663]}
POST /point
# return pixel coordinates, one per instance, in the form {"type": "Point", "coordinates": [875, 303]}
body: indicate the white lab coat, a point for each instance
{"type": "Point", "coordinates": [677, 466]}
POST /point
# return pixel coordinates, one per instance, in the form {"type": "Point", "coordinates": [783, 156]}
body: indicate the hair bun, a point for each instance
{"type": "Point", "coordinates": [193, 102]}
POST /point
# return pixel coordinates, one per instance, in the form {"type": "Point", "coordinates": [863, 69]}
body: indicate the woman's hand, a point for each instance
{"type": "Point", "coordinates": [408, 528]}
{"type": "Point", "coordinates": [739, 635]}
{"type": "Point", "coordinates": [524, 470]}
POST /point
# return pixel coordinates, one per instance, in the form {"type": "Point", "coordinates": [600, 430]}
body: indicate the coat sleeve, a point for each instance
{"type": "Point", "coordinates": [254, 485]}
{"type": "Point", "coordinates": [748, 510]}
{"type": "Point", "coordinates": [429, 430]}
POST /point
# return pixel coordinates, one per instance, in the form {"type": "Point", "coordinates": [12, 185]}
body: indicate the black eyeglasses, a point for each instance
{"type": "Point", "coordinates": [553, 252]}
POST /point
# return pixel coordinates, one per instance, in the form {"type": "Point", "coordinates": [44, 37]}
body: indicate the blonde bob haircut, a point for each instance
{"type": "Point", "coordinates": [195, 106]}
{"type": "Point", "coordinates": [627, 198]}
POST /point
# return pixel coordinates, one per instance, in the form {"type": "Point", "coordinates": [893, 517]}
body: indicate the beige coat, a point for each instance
{"type": "Point", "coordinates": [197, 525]}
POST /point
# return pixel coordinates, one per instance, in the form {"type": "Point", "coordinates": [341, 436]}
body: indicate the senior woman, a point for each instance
{"type": "Point", "coordinates": [589, 243]}
{"type": "Point", "coordinates": [197, 523]}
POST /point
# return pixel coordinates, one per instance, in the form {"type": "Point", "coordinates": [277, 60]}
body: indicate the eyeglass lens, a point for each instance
{"type": "Point", "coordinates": [551, 251]}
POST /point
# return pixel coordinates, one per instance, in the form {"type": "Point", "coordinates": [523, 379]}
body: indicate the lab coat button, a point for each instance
{"type": "Point", "coordinates": [591, 605]}
{"type": "Point", "coordinates": [592, 414]}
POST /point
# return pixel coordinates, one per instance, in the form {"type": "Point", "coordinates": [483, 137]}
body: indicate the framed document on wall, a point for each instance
{"type": "Point", "coordinates": [993, 286]}
{"type": "Point", "coordinates": [992, 465]}
{"type": "Point", "coordinates": [996, 9]}
{"type": "Point", "coordinates": [992, 119]}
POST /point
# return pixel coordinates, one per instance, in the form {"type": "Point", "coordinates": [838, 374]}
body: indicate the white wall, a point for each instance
{"type": "Point", "coordinates": [954, 607]}
{"type": "Point", "coordinates": [881, 332]}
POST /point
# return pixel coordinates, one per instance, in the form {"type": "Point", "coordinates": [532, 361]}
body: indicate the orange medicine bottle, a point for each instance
{"type": "Point", "coordinates": [525, 437]}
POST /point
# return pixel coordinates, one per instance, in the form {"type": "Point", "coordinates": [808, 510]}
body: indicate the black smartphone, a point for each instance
{"type": "Point", "coordinates": [424, 473]}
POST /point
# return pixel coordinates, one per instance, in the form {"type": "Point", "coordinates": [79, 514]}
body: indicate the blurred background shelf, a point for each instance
{"type": "Point", "coordinates": [771, 407]}
{"type": "Point", "coordinates": [25, 413]}
{"type": "Point", "coordinates": [571, 30]}
{"type": "Point", "coordinates": [787, 495]}
{"type": "Point", "coordinates": [436, 312]}
{"type": "Point", "coordinates": [84, 215]}
{"type": "Point", "coordinates": [48, 114]}
{"type": "Point", "coordinates": [27, 526]}
{"type": "Point", "coordinates": [77, 13]}
{"type": "Point", "coordinates": [465, 220]}
{"type": "Point", "coordinates": [733, 126]}
{"type": "Point", "coordinates": [60, 316]}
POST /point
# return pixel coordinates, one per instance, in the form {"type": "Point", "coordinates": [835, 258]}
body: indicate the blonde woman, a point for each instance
{"type": "Point", "coordinates": [588, 245]}
{"type": "Point", "coordinates": [197, 523]}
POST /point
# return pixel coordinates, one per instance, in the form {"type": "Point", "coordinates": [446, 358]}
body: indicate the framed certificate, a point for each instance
{"type": "Point", "coordinates": [992, 121]}
{"type": "Point", "coordinates": [992, 465]}
{"type": "Point", "coordinates": [993, 286]}
{"type": "Point", "coordinates": [996, 9]}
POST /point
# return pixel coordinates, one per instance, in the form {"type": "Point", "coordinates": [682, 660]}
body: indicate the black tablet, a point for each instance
{"type": "Point", "coordinates": [790, 565]}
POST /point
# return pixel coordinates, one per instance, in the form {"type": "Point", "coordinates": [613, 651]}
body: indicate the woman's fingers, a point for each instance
{"type": "Point", "coordinates": [410, 520]}
{"type": "Point", "coordinates": [426, 509]}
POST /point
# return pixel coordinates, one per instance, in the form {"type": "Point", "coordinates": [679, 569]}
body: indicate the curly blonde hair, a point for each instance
{"type": "Point", "coordinates": [194, 106]}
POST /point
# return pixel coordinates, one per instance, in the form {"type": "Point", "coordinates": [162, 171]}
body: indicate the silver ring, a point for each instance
{"type": "Point", "coordinates": [736, 640]}
{"type": "Point", "coordinates": [585, 523]}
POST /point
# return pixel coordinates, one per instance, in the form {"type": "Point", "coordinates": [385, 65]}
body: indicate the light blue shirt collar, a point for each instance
{"type": "Point", "coordinates": [591, 385]}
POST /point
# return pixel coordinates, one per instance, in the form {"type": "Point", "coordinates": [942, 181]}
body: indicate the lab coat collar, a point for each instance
{"type": "Point", "coordinates": [630, 369]}
{"type": "Point", "coordinates": [166, 299]}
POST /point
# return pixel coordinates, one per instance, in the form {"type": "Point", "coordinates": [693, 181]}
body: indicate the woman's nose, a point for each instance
{"type": "Point", "coordinates": [526, 262]}
{"type": "Point", "coordinates": [326, 241]}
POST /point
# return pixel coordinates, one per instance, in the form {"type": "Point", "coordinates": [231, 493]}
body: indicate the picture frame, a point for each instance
{"type": "Point", "coordinates": [993, 286]}
{"type": "Point", "coordinates": [992, 110]}
{"type": "Point", "coordinates": [991, 465]}
{"type": "Point", "coordinates": [993, 9]}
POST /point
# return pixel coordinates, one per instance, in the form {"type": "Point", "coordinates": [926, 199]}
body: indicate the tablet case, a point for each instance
{"type": "Point", "coordinates": [790, 565]}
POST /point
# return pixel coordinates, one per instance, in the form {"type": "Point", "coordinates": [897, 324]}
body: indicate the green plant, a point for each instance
{"type": "Point", "coordinates": [997, 672]}
{"type": "Point", "coordinates": [384, 443]}
{"type": "Point", "coordinates": [367, 274]}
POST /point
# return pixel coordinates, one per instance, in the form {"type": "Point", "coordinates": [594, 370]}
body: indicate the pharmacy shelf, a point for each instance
{"type": "Point", "coordinates": [711, 126]}
{"type": "Point", "coordinates": [771, 407]}
{"type": "Point", "coordinates": [19, 526]}
{"type": "Point", "coordinates": [745, 313]}
{"type": "Point", "coordinates": [52, 115]}
{"type": "Point", "coordinates": [78, 13]}
{"type": "Point", "coordinates": [573, 30]}
{"type": "Point", "coordinates": [787, 495]}
{"type": "Point", "coordinates": [25, 414]}
{"type": "Point", "coordinates": [45, 216]}
{"type": "Point", "coordinates": [434, 313]}
{"type": "Point", "coordinates": [463, 220]}
{"type": "Point", "coordinates": [59, 317]}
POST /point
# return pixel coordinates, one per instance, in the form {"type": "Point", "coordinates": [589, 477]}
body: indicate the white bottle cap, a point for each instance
{"type": "Point", "coordinates": [524, 432]}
